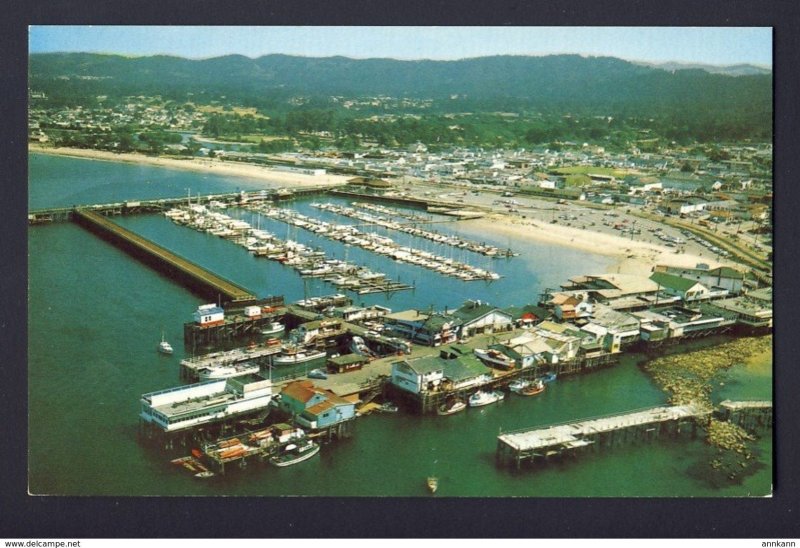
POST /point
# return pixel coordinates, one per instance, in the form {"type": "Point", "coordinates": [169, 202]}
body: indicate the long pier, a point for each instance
{"type": "Point", "coordinates": [194, 276]}
{"type": "Point", "coordinates": [135, 207]}
{"type": "Point", "coordinates": [541, 443]}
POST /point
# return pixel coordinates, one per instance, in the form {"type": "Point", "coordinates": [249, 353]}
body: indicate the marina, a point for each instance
{"type": "Point", "coordinates": [558, 400]}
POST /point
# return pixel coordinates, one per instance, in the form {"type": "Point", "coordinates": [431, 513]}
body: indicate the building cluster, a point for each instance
{"type": "Point", "coordinates": [137, 113]}
{"type": "Point", "coordinates": [589, 318]}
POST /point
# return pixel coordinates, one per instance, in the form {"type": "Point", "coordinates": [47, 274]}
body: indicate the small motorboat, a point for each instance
{"type": "Point", "coordinates": [273, 329]}
{"type": "Point", "coordinates": [204, 474]}
{"type": "Point", "coordinates": [292, 453]}
{"type": "Point", "coordinates": [432, 483]}
{"type": "Point", "coordinates": [451, 408]}
{"type": "Point", "coordinates": [164, 347]}
{"type": "Point", "coordinates": [481, 398]}
{"type": "Point", "coordinates": [535, 388]}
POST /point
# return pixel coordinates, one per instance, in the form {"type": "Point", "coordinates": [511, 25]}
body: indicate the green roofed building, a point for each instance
{"type": "Point", "coordinates": [686, 289]}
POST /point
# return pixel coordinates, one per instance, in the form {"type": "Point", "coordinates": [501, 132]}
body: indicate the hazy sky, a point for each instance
{"type": "Point", "coordinates": [714, 45]}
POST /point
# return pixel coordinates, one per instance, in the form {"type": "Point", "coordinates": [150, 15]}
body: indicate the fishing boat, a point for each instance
{"type": "Point", "coordinates": [273, 329]}
{"type": "Point", "coordinates": [432, 483]}
{"type": "Point", "coordinates": [294, 356]}
{"type": "Point", "coordinates": [535, 388]}
{"type": "Point", "coordinates": [518, 385]}
{"type": "Point", "coordinates": [481, 398]}
{"type": "Point", "coordinates": [164, 347]}
{"type": "Point", "coordinates": [227, 371]}
{"type": "Point", "coordinates": [452, 408]}
{"type": "Point", "coordinates": [295, 453]}
{"type": "Point", "coordinates": [496, 358]}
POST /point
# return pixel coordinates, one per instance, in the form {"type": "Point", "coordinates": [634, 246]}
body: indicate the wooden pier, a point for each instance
{"type": "Point", "coordinates": [136, 207]}
{"type": "Point", "coordinates": [750, 415]}
{"type": "Point", "coordinates": [542, 443]}
{"type": "Point", "coordinates": [195, 277]}
{"type": "Point", "coordinates": [236, 324]}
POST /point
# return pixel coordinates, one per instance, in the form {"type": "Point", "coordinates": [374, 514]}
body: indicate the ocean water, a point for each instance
{"type": "Point", "coordinates": [96, 315]}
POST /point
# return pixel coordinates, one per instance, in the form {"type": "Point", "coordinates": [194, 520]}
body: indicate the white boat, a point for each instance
{"type": "Point", "coordinates": [292, 453]}
{"type": "Point", "coordinates": [518, 385]}
{"type": "Point", "coordinates": [228, 371]}
{"type": "Point", "coordinates": [164, 347]}
{"type": "Point", "coordinates": [480, 398]}
{"type": "Point", "coordinates": [291, 357]}
{"type": "Point", "coordinates": [495, 357]}
{"type": "Point", "coordinates": [432, 483]}
{"type": "Point", "coordinates": [452, 408]}
{"type": "Point", "coordinates": [273, 329]}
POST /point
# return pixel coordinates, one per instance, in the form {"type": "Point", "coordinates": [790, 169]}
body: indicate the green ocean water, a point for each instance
{"type": "Point", "coordinates": [96, 315]}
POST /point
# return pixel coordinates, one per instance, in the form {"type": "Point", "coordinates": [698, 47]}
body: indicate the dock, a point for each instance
{"type": "Point", "coordinates": [195, 277]}
{"type": "Point", "coordinates": [541, 443]}
{"type": "Point", "coordinates": [750, 415]}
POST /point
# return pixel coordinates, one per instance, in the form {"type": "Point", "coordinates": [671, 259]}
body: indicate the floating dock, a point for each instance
{"type": "Point", "coordinates": [542, 443]}
{"type": "Point", "coordinates": [195, 277]}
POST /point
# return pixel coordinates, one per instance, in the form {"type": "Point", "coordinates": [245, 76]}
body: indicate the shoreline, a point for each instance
{"type": "Point", "coordinates": [219, 167]}
{"type": "Point", "coordinates": [630, 256]}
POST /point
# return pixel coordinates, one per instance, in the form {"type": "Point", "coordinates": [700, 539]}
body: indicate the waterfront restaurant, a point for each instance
{"type": "Point", "coordinates": [207, 402]}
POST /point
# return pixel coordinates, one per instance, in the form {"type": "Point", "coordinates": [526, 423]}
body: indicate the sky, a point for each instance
{"type": "Point", "coordinates": [709, 45]}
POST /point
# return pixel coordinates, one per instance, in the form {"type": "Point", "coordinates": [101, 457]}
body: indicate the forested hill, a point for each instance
{"type": "Point", "coordinates": [597, 85]}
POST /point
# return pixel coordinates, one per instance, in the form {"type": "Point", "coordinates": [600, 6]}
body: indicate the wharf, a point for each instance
{"type": "Point", "coordinates": [135, 207]}
{"type": "Point", "coordinates": [541, 443]}
{"type": "Point", "coordinates": [194, 276]}
{"type": "Point", "coordinates": [750, 415]}
{"type": "Point", "coordinates": [236, 325]}
{"type": "Point", "coordinates": [191, 366]}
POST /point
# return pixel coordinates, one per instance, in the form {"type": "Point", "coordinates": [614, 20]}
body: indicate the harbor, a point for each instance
{"type": "Point", "coordinates": [135, 361]}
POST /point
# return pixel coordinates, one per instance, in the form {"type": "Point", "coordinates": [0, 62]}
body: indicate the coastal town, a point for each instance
{"type": "Point", "coordinates": [687, 226]}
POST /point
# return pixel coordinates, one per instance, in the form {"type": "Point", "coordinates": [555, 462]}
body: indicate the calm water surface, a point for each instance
{"type": "Point", "coordinates": [96, 315]}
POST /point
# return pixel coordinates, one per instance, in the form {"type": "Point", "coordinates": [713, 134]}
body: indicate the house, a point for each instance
{"type": "Point", "coordinates": [571, 307]}
{"type": "Point", "coordinates": [686, 289]}
{"type": "Point", "coordinates": [477, 317]}
{"type": "Point", "coordinates": [348, 362]}
{"type": "Point", "coordinates": [613, 329]}
{"type": "Point", "coordinates": [432, 329]}
{"type": "Point", "coordinates": [313, 407]}
{"type": "Point", "coordinates": [722, 277]}
{"type": "Point", "coordinates": [455, 368]}
{"type": "Point", "coordinates": [564, 340]}
{"type": "Point", "coordinates": [528, 315]}
{"type": "Point", "coordinates": [528, 349]}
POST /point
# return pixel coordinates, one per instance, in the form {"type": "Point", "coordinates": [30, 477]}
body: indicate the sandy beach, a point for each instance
{"type": "Point", "coordinates": [632, 256]}
{"type": "Point", "coordinates": [220, 167]}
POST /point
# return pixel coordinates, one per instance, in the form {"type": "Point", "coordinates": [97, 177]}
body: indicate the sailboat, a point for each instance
{"type": "Point", "coordinates": [164, 347]}
{"type": "Point", "coordinates": [433, 483]}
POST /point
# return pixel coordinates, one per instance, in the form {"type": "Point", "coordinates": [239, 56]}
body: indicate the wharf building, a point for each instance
{"type": "Point", "coordinates": [317, 409]}
{"type": "Point", "coordinates": [180, 409]}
